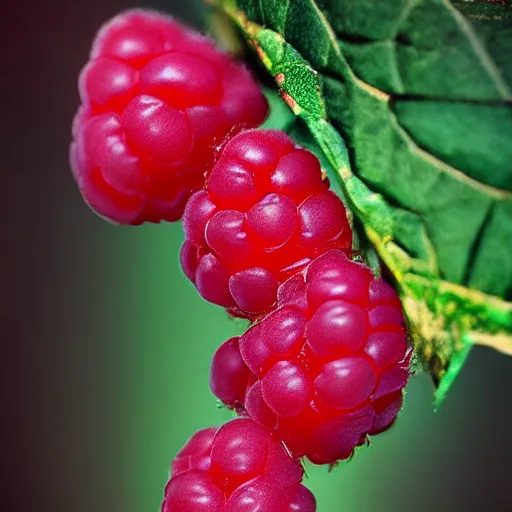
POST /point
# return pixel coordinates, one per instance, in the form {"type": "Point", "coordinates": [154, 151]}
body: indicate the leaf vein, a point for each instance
{"type": "Point", "coordinates": [477, 45]}
{"type": "Point", "coordinates": [457, 174]}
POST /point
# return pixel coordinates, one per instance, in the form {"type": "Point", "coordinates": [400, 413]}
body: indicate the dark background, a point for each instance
{"type": "Point", "coordinates": [105, 348]}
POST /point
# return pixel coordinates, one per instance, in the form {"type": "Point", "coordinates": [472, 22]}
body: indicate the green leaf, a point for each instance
{"type": "Point", "coordinates": [485, 9]}
{"type": "Point", "coordinates": [423, 98]}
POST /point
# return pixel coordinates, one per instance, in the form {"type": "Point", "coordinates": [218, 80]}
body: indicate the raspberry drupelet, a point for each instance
{"type": "Point", "coordinates": [239, 467]}
{"type": "Point", "coordinates": [265, 212]}
{"type": "Point", "coordinates": [157, 98]}
{"type": "Point", "coordinates": [327, 367]}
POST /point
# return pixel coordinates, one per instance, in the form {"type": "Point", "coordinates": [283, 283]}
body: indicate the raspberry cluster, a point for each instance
{"type": "Point", "coordinates": [327, 367]}
{"type": "Point", "coordinates": [156, 100]}
{"type": "Point", "coordinates": [239, 467]}
{"type": "Point", "coordinates": [264, 213]}
{"type": "Point", "coordinates": [167, 120]}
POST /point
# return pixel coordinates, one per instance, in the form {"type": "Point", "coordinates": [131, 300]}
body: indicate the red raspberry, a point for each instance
{"type": "Point", "coordinates": [329, 364]}
{"type": "Point", "coordinates": [157, 98]}
{"type": "Point", "coordinates": [264, 213]}
{"type": "Point", "coordinates": [238, 468]}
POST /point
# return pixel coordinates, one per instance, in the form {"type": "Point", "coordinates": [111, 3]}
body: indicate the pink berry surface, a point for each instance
{"type": "Point", "coordinates": [329, 365]}
{"type": "Point", "coordinates": [240, 467]}
{"type": "Point", "coordinates": [157, 98]}
{"type": "Point", "coordinates": [264, 213]}
{"type": "Point", "coordinates": [229, 374]}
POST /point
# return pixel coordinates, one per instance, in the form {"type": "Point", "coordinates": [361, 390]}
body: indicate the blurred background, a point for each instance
{"type": "Point", "coordinates": [106, 347]}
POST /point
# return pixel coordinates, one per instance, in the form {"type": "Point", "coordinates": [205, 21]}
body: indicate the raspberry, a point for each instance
{"type": "Point", "coordinates": [329, 364]}
{"type": "Point", "coordinates": [264, 213]}
{"type": "Point", "coordinates": [238, 468]}
{"type": "Point", "coordinates": [157, 98]}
